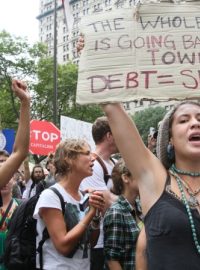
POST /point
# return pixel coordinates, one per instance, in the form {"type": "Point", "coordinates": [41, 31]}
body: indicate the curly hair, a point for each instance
{"type": "Point", "coordinates": [117, 172]}
{"type": "Point", "coordinates": [66, 153]}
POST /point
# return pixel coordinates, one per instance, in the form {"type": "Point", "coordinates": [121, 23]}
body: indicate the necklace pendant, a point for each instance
{"type": "Point", "coordinates": [193, 202]}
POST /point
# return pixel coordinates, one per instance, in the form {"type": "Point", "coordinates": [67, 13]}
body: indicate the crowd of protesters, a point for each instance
{"type": "Point", "coordinates": [140, 212]}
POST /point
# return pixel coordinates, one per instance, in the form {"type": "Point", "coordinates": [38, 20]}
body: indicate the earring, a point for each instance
{"type": "Point", "coordinates": [170, 152]}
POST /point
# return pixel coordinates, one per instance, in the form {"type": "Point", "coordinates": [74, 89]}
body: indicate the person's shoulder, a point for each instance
{"type": "Point", "coordinates": [114, 210]}
{"type": "Point", "coordinates": [29, 182]}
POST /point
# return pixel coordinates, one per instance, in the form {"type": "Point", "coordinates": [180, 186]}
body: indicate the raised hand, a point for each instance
{"type": "Point", "coordinates": [20, 89]}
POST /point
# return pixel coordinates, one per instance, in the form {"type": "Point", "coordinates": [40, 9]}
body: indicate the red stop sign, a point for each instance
{"type": "Point", "coordinates": [44, 136]}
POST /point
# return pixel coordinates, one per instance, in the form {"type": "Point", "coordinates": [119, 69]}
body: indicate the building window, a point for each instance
{"type": "Point", "coordinates": [127, 105]}
{"type": "Point", "coordinates": [74, 54]}
{"type": "Point", "coordinates": [65, 57]}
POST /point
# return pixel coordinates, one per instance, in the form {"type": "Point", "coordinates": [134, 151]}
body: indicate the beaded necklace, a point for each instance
{"type": "Point", "coordinates": [193, 174]}
{"type": "Point", "coordinates": [192, 200]}
{"type": "Point", "coordinates": [184, 199]}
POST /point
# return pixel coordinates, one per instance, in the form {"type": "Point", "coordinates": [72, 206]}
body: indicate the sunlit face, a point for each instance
{"type": "Point", "coordinates": [186, 131]}
{"type": "Point", "coordinates": [84, 162]}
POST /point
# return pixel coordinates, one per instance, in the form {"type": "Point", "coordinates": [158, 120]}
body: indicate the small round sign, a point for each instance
{"type": "Point", "coordinates": [2, 141]}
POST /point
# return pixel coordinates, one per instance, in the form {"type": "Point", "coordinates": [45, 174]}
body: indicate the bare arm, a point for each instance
{"type": "Point", "coordinates": [140, 161]}
{"type": "Point", "coordinates": [114, 265]}
{"type": "Point", "coordinates": [63, 240]}
{"type": "Point", "coordinates": [27, 174]}
{"type": "Point", "coordinates": [21, 145]}
{"type": "Point", "coordinates": [140, 257]}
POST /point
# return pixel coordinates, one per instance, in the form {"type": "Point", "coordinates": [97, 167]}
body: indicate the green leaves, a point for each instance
{"type": "Point", "coordinates": [148, 118]}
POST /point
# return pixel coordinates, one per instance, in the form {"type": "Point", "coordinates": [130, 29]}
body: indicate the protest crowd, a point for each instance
{"type": "Point", "coordinates": [123, 206]}
{"type": "Point", "coordinates": [110, 216]}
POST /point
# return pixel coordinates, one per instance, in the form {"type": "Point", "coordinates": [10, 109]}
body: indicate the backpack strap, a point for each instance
{"type": "Point", "coordinates": [40, 187]}
{"type": "Point", "coordinates": [106, 175]}
{"type": "Point", "coordinates": [18, 201]}
{"type": "Point", "coordinates": [45, 234]}
{"type": "Point", "coordinates": [62, 202]}
{"type": "Point", "coordinates": [6, 213]}
{"type": "Point", "coordinates": [31, 188]}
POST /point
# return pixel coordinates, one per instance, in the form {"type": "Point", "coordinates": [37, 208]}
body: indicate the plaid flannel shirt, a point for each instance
{"type": "Point", "coordinates": [120, 234]}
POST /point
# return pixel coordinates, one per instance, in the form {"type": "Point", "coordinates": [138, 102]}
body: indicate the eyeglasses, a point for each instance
{"type": "Point", "coordinates": [86, 153]}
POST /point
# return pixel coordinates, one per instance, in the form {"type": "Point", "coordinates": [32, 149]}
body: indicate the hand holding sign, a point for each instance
{"type": "Point", "coordinates": [155, 57]}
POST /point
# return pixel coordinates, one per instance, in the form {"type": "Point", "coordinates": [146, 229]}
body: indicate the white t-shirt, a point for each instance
{"type": "Point", "coordinates": [26, 192]}
{"type": "Point", "coordinates": [96, 181]}
{"type": "Point", "coordinates": [52, 259]}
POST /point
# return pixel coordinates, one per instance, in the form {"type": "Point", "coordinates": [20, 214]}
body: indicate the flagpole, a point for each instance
{"type": "Point", "coordinates": [55, 88]}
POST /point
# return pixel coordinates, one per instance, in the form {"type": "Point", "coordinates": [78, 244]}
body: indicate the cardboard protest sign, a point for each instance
{"type": "Point", "coordinates": [77, 129]}
{"type": "Point", "coordinates": [155, 57]}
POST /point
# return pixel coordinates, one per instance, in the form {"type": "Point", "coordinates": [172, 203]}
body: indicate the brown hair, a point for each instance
{"type": "Point", "coordinates": [100, 128]}
{"type": "Point", "coordinates": [118, 170]}
{"type": "Point", "coordinates": [50, 159]}
{"type": "Point", "coordinates": [4, 153]}
{"type": "Point", "coordinates": [33, 170]}
{"type": "Point", "coordinates": [66, 152]}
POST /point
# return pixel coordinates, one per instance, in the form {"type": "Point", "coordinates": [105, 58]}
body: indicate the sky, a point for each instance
{"type": "Point", "coordinates": [18, 17]}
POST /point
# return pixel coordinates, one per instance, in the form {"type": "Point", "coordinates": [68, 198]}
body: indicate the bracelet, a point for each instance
{"type": "Point", "coordinates": [94, 228]}
{"type": "Point", "coordinates": [96, 219]}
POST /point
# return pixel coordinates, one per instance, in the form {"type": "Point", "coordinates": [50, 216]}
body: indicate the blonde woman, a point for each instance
{"type": "Point", "coordinates": [70, 238]}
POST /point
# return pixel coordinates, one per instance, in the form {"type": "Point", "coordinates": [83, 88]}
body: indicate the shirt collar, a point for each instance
{"type": "Point", "coordinates": [125, 204]}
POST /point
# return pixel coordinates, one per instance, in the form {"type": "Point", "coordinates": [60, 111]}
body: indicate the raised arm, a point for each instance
{"type": "Point", "coordinates": [21, 145]}
{"type": "Point", "coordinates": [27, 173]}
{"type": "Point", "coordinates": [141, 162]}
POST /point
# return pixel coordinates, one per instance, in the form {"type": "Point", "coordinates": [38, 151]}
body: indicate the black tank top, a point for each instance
{"type": "Point", "coordinates": [170, 245]}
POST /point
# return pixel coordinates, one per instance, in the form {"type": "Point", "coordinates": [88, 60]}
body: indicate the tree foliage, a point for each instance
{"type": "Point", "coordinates": [147, 118]}
{"type": "Point", "coordinates": [20, 60]}
{"type": "Point", "coordinates": [17, 60]}
{"type": "Point", "coordinates": [42, 107]}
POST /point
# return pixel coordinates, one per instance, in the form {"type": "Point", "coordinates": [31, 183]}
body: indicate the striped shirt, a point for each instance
{"type": "Point", "coordinates": [120, 234]}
